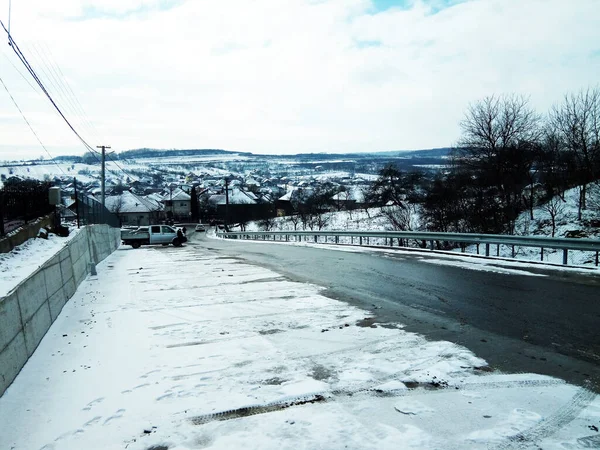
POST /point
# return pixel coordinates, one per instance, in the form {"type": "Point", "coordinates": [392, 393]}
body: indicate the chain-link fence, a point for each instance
{"type": "Point", "coordinates": [22, 203]}
{"type": "Point", "coordinates": [90, 211]}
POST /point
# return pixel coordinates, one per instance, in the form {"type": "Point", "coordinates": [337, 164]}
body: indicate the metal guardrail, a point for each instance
{"type": "Point", "coordinates": [564, 244]}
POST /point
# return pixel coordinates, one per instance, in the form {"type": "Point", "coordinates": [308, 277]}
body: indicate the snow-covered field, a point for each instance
{"type": "Point", "coordinates": [186, 348]}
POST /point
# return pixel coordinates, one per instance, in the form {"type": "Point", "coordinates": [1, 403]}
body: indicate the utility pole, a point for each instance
{"type": "Point", "coordinates": [76, 202]}
{"type": "Point", "coordinates": [226, 202]}
{"type": "Point", "coordinates": [103, 147]}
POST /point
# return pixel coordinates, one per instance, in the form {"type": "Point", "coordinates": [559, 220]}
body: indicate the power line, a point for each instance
{"type": "Point", "coordinates": [66, 93]}
{"type": "Point", "coordinates": [30, 69]}
{"type": "Point", "coordinates": [20, 73]}
{"type": "Point", "coordinates": [66, 82]}
{"type": "Point", "coordinates": [30, 127]}
{"type": "Point", "coordinates": [39, 82]}
{"type": "Point", "coordinates": [122, 170]}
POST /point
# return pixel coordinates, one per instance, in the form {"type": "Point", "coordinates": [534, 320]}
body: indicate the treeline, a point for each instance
{"type": "Point", "coordinates": [509, 159]}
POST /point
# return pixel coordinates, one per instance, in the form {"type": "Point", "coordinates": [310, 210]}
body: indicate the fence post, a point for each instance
{"type": "Point", "coordinates": [2, 214]}
{"type": "Point", "coordinates": [76, 202]}
{"type": "Point", "coordinates": [565, 256]}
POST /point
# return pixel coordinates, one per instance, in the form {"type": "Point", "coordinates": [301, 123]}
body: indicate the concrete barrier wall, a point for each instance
{"type": "Point", "coordinates": [27, 312]}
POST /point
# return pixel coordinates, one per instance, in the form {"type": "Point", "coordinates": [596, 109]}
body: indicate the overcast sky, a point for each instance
{"type": "Point", "coordinates": [282, 76]}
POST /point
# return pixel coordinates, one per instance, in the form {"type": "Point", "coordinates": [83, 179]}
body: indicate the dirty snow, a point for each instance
{"type": "Point", "coordinates": [186, 349]}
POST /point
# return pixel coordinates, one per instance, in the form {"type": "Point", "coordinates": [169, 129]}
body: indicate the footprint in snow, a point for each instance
{"type": "Point", "coordinates": [92, 403]}
{"type": "Point", "coordinates": [93, 421]}
{"type": "Point", "coordinates": [116, 415]}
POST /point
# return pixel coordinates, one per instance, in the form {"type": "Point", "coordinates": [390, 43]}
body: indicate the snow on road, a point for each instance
{"type": "Point", "coordinates": [185, 348]}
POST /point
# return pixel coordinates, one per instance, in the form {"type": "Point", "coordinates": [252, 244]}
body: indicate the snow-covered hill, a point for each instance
{"type": "Point", "coordinates": [566, 224]}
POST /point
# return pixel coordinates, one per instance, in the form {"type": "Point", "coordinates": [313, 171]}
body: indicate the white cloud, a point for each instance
{"type": "Point", "coordinates": [299, 75]}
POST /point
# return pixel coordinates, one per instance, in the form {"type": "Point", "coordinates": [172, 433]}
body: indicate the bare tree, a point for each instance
{"type": "Point", "coordinates": [320, 221]}
{"type": "Point", "coordinates": [594, 200]}
{"type": "Point", "coordinates": [577, 123]}
{"type": "Point", "coordinates": [496, 123]}
{"type": "Point", "coordinates": [294, 219]}
{"type": "Point", "coordinates": [498, 148]}
{"type": "Point", "coordinates": [400, 217]}
{"type": "Point", "coordinates": [268, 223]}
{"type": "Point", "coordinates": [116, 206]}
{"type": "Point", "coordinates": [555, 208]}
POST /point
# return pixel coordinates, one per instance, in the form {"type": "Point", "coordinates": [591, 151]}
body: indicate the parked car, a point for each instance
{"type": "Point", "coordinates": [154, 234]}
{"type": "Point", "coordinates": [200, 227]}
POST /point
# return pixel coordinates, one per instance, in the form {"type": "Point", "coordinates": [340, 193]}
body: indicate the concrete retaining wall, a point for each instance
{"type": "Point", "coordinates": [27, 312]}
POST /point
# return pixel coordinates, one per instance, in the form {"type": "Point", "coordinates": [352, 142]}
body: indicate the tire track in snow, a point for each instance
{"type": "Point", "coordinates": [564, 416]}
{"type": "Point", "coordinates": [553, 423]}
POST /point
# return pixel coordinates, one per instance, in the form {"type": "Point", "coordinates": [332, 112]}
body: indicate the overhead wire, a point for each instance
{"type": "Point", "coordinates": [50, 78]}
{"type": "Point", "coordinates": [20, 73]}
{"type": "Point", "coordinates": [36, 78]}
{"type": "Point", "coordinates": [30, 127]}
{"type": "Point", "coordinates": [66, 93]}
{"type": "Point", "coordinates": [68, 86]}
{"type": "Point", "coordinates": [15, 47]}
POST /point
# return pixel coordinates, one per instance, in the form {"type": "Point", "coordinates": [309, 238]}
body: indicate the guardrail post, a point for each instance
{"type": "Point", "coordinates": [360, 240]}
{"type": "Point", "coordinates": [542, 253]}
{"type": "Point", "coordinates": [597, 258]}
{"type": "Point", "coordinates": [316, 238]}
{"type": "Point", "coordinates": [513, 251]}
{"type": "Point", "coordinates": [287, 237]}
{"type": "Point", "coordinates": [498, 250]}
{"type": "Point", "coordinates": [565, 256]}
{"type": "Point", "coordinates": [477, 245]}
{"type": "Point", "coordinates": [487, 250]}
{"type": "Point", "coordinates": [431, 245]}
{"type": "Point", "coordinates": [337, 240]}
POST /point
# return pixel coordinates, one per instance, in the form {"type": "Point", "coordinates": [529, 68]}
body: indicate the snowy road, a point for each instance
{"type": "Point", "coordinates": [187, 349]}
{"type": "Point", "coordinates": [518, 316]}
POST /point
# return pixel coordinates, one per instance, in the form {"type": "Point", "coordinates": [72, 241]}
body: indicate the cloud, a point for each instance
{"type": "Point", "coordinates": [293, 76]}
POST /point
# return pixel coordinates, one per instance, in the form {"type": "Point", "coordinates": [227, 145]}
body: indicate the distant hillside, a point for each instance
{"type": "Point", "coordinates": [157, 153]}
{"type": "Point", "coordinates": [435, 153]}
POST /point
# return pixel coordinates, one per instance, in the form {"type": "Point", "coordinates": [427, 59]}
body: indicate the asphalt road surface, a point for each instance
{"type": "Point", "coordinates": [547, 324]}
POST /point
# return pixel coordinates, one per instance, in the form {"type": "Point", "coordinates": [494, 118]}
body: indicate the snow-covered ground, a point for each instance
{"type": "Point", "coordinates": [566, 223]}
{"type": "Point", "coordinates": [355, 220]}
{"type": "Point", "coordinates": [24, 259]}
{"type": "Point", "coordinates": [186, 348]}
